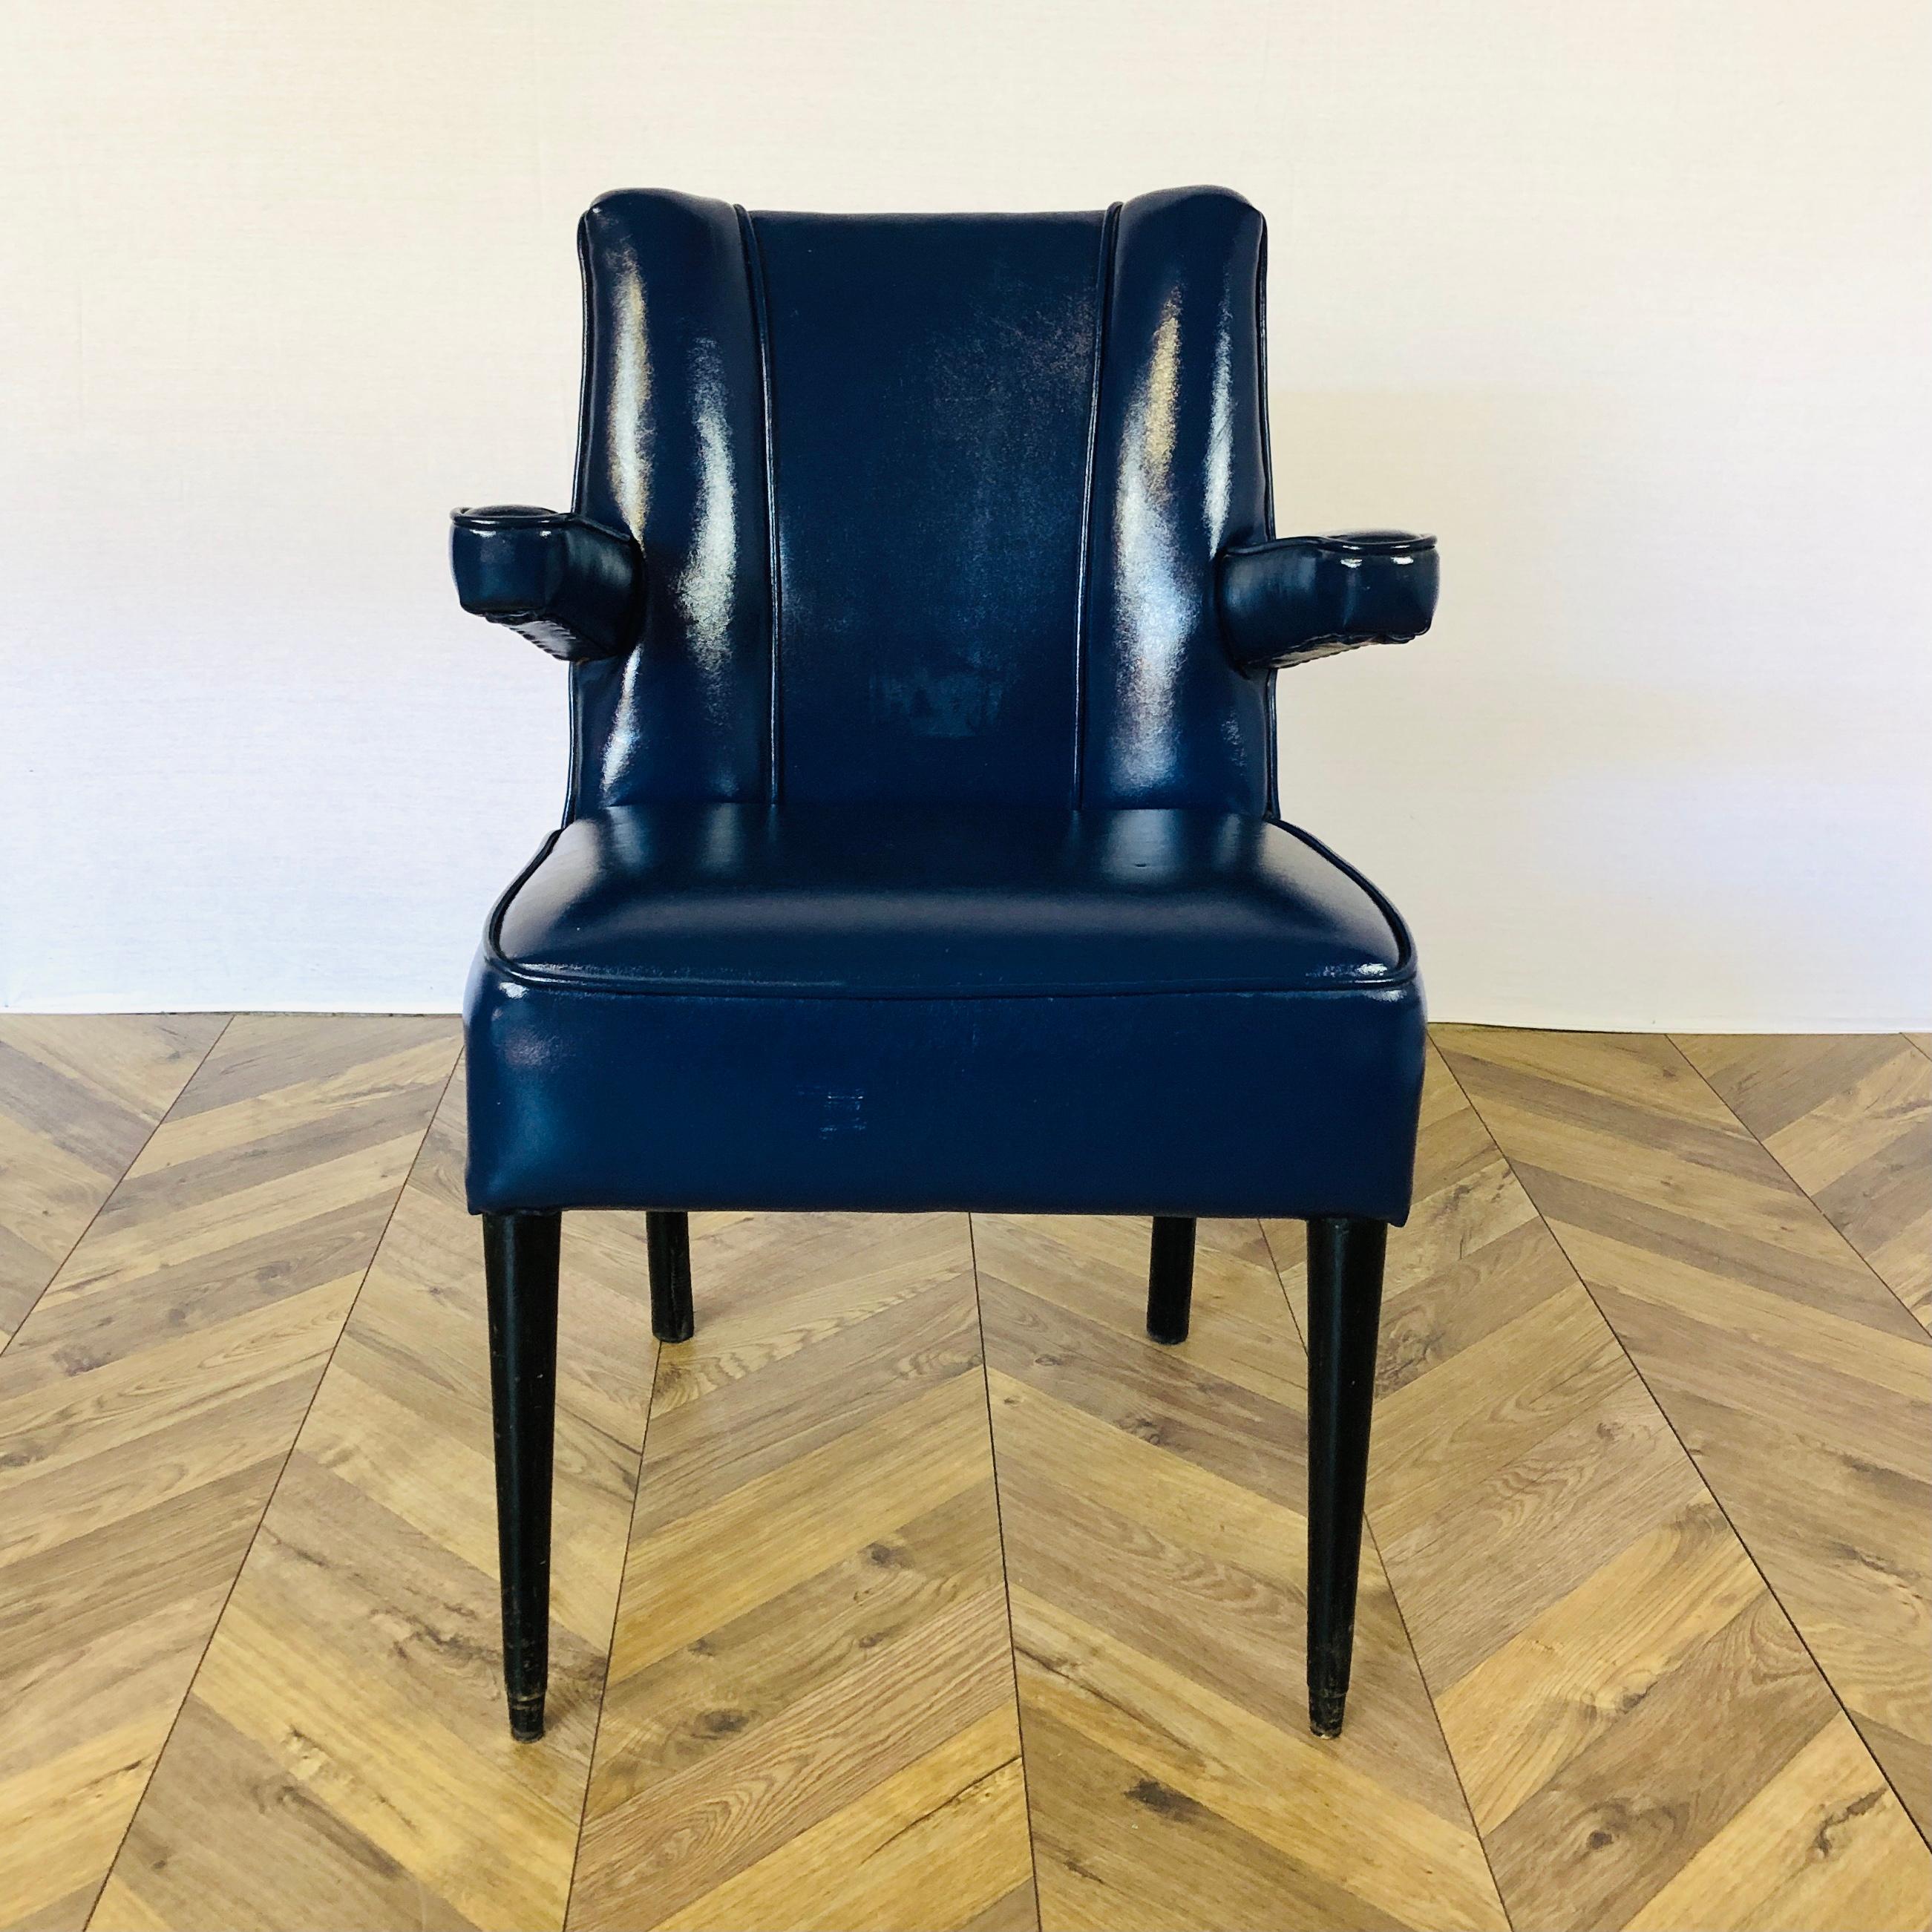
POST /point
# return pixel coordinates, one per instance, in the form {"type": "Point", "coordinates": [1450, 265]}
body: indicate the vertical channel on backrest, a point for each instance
{"type": "Point", "coordinates": [930, 381]}
{"type": "Point", "coordinates": [671, 448]}
{"type": "Point", "coordinates": [1180, 471]}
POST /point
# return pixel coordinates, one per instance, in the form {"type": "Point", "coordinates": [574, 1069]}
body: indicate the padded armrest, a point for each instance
{"type": "Point", "coordinates": [1294, 598]}
{"type": "Point", "coordinates": [572, 587]}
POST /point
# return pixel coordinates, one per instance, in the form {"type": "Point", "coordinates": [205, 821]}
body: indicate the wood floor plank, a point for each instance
{"type": "Point", "coordinates": [1849, 1116]}
{"type": "Point", "coordinates": [1819, 1846]}
{"type": "Point", "coordinates": [964, 1804]}
{"type": "Point", "coordinates": [79, 1095]}
{"type": "Point", "coordinates": [149, 1400]}
{"type": "Point", "coordinates": [1607, 1857]}
{"type": "Point", "coordinates": [1617, 1685]}
{"type": "Point", "coordinates": [268, 1875]}
{"type": "Point", "coordinates": [1198, 1757]}
{"type": "Point", "coordinates": [343, 1754]}
{"type": "Point", "coordinates": [1151, 1502]}
{"type": "Point", "coordinates": [1128, 1852]}
{"type": "Point", "coordinates": [810, 1716]}
{"type": "Point", "coordinates": [1801, 1386]}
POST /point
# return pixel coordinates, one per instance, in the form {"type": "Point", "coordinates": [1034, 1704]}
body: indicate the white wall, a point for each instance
{"type": "Point", "coordinates": [1629, 303]}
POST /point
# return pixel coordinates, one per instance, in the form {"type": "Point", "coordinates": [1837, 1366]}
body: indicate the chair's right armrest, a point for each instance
{"type": "Point", "coordinates": [572, 587]}
{"type": "Point", "coordinates": [1290, 599]}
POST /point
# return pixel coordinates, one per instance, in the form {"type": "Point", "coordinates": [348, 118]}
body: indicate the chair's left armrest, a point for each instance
{"type": "Point", "coordinates": [1294, 598]}
{"type": "Point", "coordinates": [572, 587]}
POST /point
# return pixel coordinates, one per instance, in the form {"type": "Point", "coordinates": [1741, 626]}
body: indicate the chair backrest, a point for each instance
{"type": "Point", "coordinates": [929, 504]}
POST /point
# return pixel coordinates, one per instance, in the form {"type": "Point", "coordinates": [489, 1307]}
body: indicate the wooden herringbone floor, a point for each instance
{"type": "Point", "coordinates": [921, 1589]}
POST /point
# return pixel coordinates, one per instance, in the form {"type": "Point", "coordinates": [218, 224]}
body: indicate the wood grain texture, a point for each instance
{"type": "Point", "coordinates": [809, 1718]}
{"type": "Point", "coordinates": [149, 1400]}
{"type": "Point", "coordinates": [1576, 1697]}
{"type": "Point", "coordinates": [1849, 1116]}
{"type": "Point", "coordinates": [1152, 1503]}
{"type": "Point", "coordinates": [79, 1097]}
{"type": "Point", "coordinates": [1620, 1692]}
{"type": "Point", "coordinates": [1800, 1385]}
{"type": "Point", "coordinates": [344, 1755]}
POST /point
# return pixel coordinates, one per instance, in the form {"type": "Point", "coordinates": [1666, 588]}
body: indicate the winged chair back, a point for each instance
{"type": "Point", "coordinates": [929, 504]}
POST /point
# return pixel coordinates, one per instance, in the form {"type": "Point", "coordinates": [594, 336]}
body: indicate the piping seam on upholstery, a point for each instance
{"type": "Point", "coordinates": [1103, 290]}
{"type": "Point", "coordinates": [574, 778]}
{"type": "Point", "coordinates": [754, 276]}
{"type": "Point", "coordinates": [583, 985]}
{"type": "Point", "coordinates": [580, 979]}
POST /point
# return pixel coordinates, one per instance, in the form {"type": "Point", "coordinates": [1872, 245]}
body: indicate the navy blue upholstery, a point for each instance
{"type": "Point", "coordinates": [573, 588]}
{"type": "Point", "coordinates": [921, 848]}
{"type": "Point", "coordinates": [926, 1007]}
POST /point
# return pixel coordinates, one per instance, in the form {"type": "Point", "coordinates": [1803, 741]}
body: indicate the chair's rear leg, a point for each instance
{"type": "Point", "coordinates": [1170, 1278]}
{"type": "Point", "coordinates": [1345, 1297]}
{"type": "Point", "coordinates": [667, 1242]}
{"type": "Point", "coordinates": [520, 1261]}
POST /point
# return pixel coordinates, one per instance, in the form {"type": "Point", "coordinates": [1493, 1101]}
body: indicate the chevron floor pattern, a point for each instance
{"type": "Point", "coordinates": [1799, 1382]}
{"type": "Point", "coordinates": [1156, 1553]}
{"type": "Point", "coordinates": [149, 1402]}
{"type": "Point", "coordinates": [920, 1589]}
{"type": "Point", "coordinates": [342, 1758]}
{"type": "Point", "coordinates": [1850, 1119]}
{"type": "Point", "coordinates": [810, 1715]}
{"type": "Point", "coordinates": [1643, 1736]}
{"type": "Point", "coordinates": [79, 1098]}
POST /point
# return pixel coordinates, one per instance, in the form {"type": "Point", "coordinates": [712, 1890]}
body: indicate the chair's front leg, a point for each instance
{"type": "Point", "coordinates": [519, 1262]}
{"type": "Point", "coordinates": [1344, 1299]}
{"type": "Point", "coordinates": [1170, 1279]}
{"type": "Point", "coordinates": [668, 1246]}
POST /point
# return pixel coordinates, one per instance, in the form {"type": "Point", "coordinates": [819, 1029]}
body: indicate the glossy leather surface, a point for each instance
{"type": "Point", "coordinates": [671, 448]}
{"type": "Point", "coordinates": [1179, 470]}
{"type": "Point", "coordinates": [930, 505]}
{"type": "Point", "coordinates": [574, 589]}
{"type": "Point", "coordinates": [919, 852]}
{"type": "Point", "coordinates": [1296, 598]}
{"type": "Point", "coordinates": [929, 563]}
{"type": "Point", "coordinates": [836, 900]}
{"type": "Point", "coordinates": [1230, 1103]}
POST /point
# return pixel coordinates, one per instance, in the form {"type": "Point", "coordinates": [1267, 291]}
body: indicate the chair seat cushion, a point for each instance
{"type": "Point", "coordinates": [850, 900]}
{"type": "Point", "coordinates": [1146, 1011]}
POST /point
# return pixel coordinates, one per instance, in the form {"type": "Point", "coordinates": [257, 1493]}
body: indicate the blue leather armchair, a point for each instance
{"type": "Point", "coordinates": [921, 848]}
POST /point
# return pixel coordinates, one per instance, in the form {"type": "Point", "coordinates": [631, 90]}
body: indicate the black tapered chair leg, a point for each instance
{"type": "Point", "coordinates": [520, 1265]}
{"type": "Point", "coordinates": [1344, 1299]}
{"type": "Point", "coordinates": [667, 1242]}
{"type": "Point", "coordinates": [1170, 1278]}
